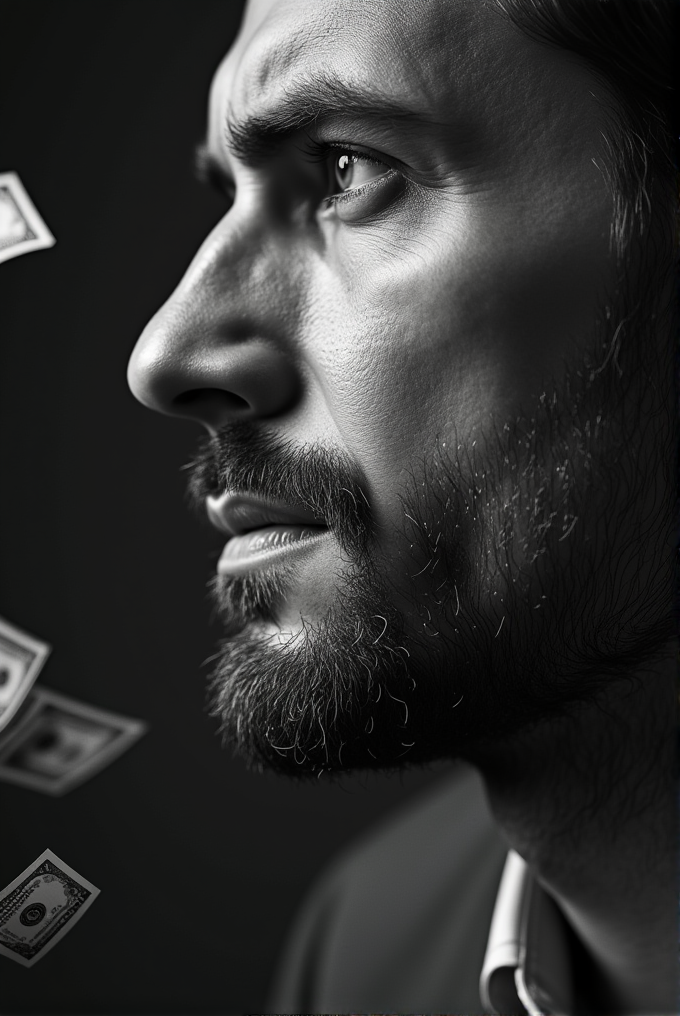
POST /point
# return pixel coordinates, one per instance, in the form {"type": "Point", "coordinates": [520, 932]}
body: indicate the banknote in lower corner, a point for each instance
{"type": "Point", "coordinates": [60, 742]}
{"type": "Point", "coordinates": [40, 906]}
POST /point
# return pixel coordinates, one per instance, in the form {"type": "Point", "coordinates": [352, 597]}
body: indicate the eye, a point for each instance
{"type": "Point", "coordinates": [352, 170]}
{"type": "Point", "coordinates": [358, 185]}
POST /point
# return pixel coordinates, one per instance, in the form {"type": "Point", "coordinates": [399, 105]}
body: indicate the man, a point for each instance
{"type": "Point", "coordinates": [432, 343]}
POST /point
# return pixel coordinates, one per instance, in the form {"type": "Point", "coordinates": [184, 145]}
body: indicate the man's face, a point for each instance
{"type": "Point", "coordinates": [402, 328]}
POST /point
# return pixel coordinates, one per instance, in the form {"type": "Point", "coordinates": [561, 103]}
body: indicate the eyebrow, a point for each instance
{"type": "Point", "coordinates": [307, 102]}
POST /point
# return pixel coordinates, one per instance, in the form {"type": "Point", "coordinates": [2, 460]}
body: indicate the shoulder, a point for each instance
{"type": "Point", "coordinates": [398, 915]}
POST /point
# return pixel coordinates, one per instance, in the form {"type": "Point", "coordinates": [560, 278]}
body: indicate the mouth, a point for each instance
{"type": "Point", "coordinates": [262, 533]}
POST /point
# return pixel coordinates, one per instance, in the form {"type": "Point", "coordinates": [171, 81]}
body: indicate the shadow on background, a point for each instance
{"type": "Point", "coordinates": [201, 864]}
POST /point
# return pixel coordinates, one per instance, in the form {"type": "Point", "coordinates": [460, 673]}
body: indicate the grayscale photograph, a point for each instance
{"type": "Point", "coordinates": [339, 639]}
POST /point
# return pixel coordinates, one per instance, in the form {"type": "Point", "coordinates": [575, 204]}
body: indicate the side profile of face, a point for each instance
{"type": "Point", "coordinates": [410, 343]}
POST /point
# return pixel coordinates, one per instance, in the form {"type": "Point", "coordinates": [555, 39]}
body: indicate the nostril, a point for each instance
{"type": "Point", "coordinates": [209, 402]}
{"type": "Point", "coordinates": [213, 383]}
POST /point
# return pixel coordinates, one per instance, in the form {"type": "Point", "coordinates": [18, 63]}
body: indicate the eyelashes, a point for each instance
{"type": "Point", "coordinates": [344, 159]}
{"type": "Point", "coordinates": [358, 184]}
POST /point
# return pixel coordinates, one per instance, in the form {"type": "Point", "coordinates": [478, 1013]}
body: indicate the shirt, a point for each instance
{"type": "Point", "coordinates": [430, 913]}
{"type": "Point", "coordinates": [528, 963]}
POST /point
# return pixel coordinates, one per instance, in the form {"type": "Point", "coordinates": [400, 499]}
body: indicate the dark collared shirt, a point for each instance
{"type": "Point", "coordinates": [430, 913]}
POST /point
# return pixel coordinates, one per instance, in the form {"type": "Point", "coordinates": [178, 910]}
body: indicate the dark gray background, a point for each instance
{"type": "Point", "coordinates": [201, 865]}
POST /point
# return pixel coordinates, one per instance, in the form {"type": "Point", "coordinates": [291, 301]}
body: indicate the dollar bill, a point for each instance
{"type": "Point", "coordinates": [61, 742]}
{"type": "Point", "coordinates": [40, 906]}
{"type": "Point", "coordinates": [22, 656]}
{"type": "Point", "coordinates": [22, 228]}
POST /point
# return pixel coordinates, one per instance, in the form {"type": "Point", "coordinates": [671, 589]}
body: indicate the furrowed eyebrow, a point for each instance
{"type": "Point", "coordinates": [307, 102]}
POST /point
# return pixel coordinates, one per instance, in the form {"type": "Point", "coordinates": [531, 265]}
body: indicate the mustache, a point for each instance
{"type": "Point", "coordinates": [243, 458]}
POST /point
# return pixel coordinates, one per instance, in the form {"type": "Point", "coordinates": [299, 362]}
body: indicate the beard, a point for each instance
{"type": "Point", "coordinates": [517, 593]}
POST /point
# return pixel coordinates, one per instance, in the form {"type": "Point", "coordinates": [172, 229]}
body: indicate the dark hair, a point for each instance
{"type": "Point", "coordinates": [628, 44]}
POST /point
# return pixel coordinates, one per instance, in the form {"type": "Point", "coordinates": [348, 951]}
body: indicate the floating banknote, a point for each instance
{"type": "Point", "coordinates": [21, 658]}
{"type": "Point", "coordinates": [21, 226]}
{"type": "Point", "coordinates": [60, 742]}
{"type": "Point", "coordinates": [40, 906]}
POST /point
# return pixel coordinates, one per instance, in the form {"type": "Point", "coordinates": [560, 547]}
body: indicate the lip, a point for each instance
{"type": "Point", "coordinates": [237, 514]}
{"type": "Point", "coordinates": [262, 532]}
{"type": "Point", "coordinates": [269, 545]}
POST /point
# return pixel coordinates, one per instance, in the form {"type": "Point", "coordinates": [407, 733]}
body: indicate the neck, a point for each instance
{"type": "Point", "coordinates": [591, 802]}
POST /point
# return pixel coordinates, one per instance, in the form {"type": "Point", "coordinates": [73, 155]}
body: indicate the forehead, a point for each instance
{"type": "Point", "coordinates": [441, 55]}
{"type": "Point", "coordinates": [396, 42]}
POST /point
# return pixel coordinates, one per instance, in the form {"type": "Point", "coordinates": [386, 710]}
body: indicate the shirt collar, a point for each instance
{"type": "Point", "coordinates": [527, 966]}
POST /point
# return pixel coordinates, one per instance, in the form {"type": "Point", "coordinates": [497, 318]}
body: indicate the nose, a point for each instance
{"type": "Point", "coordinates": [219, 348]}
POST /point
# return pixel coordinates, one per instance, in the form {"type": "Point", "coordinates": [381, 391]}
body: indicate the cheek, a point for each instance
{"type": "Point", "coordinates": [540, 300]}
{"type": "Point", "coordinates": [468, 301]}
{"type": "Point", "coordinates": [453, 312]}
{"type": "Point", "coordinates": [409, 354]}
{"type": "Point", "coordinates": [397, 378]}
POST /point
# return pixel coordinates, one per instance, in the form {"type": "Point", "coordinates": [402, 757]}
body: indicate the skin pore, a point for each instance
{"type": "Point", "coordinates": [448, 365]}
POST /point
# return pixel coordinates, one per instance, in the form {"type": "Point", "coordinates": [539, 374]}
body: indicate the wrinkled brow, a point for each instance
{"type": "Point", "coordinates": [313, 101]}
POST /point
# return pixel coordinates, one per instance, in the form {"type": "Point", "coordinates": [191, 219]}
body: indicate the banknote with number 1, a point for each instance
{"type": "Point", "coordinates": [22, 657]}
{"type": "Point", "coordinates": [40, 906]}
